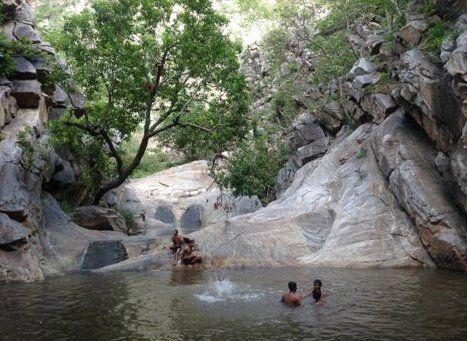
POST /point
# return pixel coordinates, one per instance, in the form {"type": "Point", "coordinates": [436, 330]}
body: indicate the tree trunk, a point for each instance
{"type": "Point", "coordinates": [114, 183]}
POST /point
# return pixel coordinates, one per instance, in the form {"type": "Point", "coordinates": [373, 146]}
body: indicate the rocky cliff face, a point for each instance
{"type": "Point", "coordinates": [390, 194]}
{"type": "Point", "coordinates": [36, 238]}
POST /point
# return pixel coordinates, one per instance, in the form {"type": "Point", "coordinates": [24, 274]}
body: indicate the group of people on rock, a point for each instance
{"type": "Point", "coordinates": [184, 250]}
{"type": "Point", "coordinates": [293, 299]}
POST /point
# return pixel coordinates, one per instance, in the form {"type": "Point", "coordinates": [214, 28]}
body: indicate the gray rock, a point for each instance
{"type": "Point", "coordinates": [24, 69]}
{"type": "Point", "coordinates": [363, 81]}
{"type": "Point", "coordinates": [41, 67]}
{"type": "Point", "coordinates": [374, 42]}
{"type": "Point", "coordinates": [27, 31]}
{"type": "Point", "coordinates": [99, 218]}
{"type": "Point", "coordinates": [361, 67]}
{"type": "Point", "coordinates": [20, 189]}
{"type": "Point", "coordinates": [461, 23]}
{"type": "Point", "coordinates": [306, 130]}
{"type": "Point", "coordinates": [12, 234]}
{"type": "Point", "coordinates": [285, 176]}
{"type": "Point", "coordinates": [45, 47]}
{"type": "Point", "coordinates": [457, 63]}
{"type": "Point", "coordinates": [8, 106]}
{"type": "Point", "coordinates": [192, 219]}
{"type": "Point", "coordinates": [162, 198]}
{"type": "Point", "coordinates": [27, 93]}
{"type": "Point", "coordinates": [447, 46]}
{"type": "Point", "coordinates": [430, 99]}
{"type": "Point", "coordinates": [78, 101]}
{"type": "Point", "coordinates": [413, 31]}
{"type": "Point", "coordinates": [331, 116]}
{"type": "Point", "coordinates": [165, 214]}
{"type": "Point", "coordinates": [103, 253]}
{"type": "Point", "coordinates": [63, 173]}
{"type": "Point", "coordinates": [379, 106]}
{"type": "Point", "coordinates": [442, 163]}
{"type": "Point", "coordinates": [311, 151]}
{"type": "Point", "coordinates": [337, 212]}
{"type": "Point", "coordinates": [60, 98]}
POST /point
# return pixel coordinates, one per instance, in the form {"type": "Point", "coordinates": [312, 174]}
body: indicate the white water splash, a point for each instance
{"type": "Point", "coordinates": [225, 290]}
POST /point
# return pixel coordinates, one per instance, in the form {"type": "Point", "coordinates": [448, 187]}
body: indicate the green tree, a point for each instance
{"type": "Point", "coordinates": [253, 167]}
{"type": "Point", "coordinates": [164, 65]}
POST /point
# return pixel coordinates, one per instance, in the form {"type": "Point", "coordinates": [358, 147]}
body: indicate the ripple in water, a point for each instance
{"type": "Point", "coordinates": [194, 305]}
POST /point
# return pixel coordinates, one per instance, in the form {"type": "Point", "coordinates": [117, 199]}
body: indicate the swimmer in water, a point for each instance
{"type": "Point", "coordinates": [291, 298]}
{"type": "Point", "coordinates": [317, 294]}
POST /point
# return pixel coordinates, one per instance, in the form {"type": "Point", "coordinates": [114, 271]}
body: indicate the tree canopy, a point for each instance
{"type": "Point", "coordinates": [163, 65]}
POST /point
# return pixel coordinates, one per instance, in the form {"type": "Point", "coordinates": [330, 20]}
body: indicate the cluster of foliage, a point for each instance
{"type": "Point", "coordinates": [165, 67]}
{"type": "Point", "coordinates": [50, 14]}
{"type": "Point", "coordinates": [435, 35]}
{"type": "Point", "coordinates": [9, 49]}
{"type": "Point", "coordinates": [252, 168]}
{"type": "Point", "coordinates": [155, 159]}
{"type": "Point", "coordinates": [342, 13]}
{"type": "Point", "coordinates": [333, 57]}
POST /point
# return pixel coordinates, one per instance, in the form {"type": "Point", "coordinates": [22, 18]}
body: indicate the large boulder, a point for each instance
{"type": "Point", "coordinates": [99, 218]}
{"type": "Point", "coordinates": [103, 253]}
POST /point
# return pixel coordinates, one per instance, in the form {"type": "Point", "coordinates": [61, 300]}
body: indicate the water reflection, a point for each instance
{"type": "Point", "coordinates": [195, 305]}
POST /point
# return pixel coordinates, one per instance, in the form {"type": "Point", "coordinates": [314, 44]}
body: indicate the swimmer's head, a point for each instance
{"type": "Point", "coordinates": [317, 283]}
{"type": "Point", "coordinates": [174, 232]}
{"type": "Point", "coordinates": [292, 286]}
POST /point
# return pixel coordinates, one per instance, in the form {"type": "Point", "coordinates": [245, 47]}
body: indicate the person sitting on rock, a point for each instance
{"type": "Point", "coordinates": [176, 247]}
{"type": "Point", "coordinates": [188, 255]}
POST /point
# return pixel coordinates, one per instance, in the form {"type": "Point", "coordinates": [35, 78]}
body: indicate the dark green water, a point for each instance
{"type": "Point", "coordinates": [192, 305]}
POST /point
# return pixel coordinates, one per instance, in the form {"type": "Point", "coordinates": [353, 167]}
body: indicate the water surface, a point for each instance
{"type": "Point", "coordinates": [237, 305]}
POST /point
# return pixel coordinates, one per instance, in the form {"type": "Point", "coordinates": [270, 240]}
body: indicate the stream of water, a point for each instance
{"type": "Point", "coordinates": [242, 305]}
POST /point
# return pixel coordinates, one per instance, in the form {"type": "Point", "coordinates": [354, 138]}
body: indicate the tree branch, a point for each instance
{"type": "Point", "coordinates": [114, 152]}
{"type": "Point", "coordinates": [86, 127]}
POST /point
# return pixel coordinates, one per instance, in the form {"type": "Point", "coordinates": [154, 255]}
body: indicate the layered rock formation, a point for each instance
{"type": "Point", "coordinates": [36, 238]}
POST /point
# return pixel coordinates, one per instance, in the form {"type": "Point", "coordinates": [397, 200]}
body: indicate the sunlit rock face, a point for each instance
{"type": "Point", "coordinates": [337, 212]}
{"type": "Point", "coordinates": [183, 197]}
